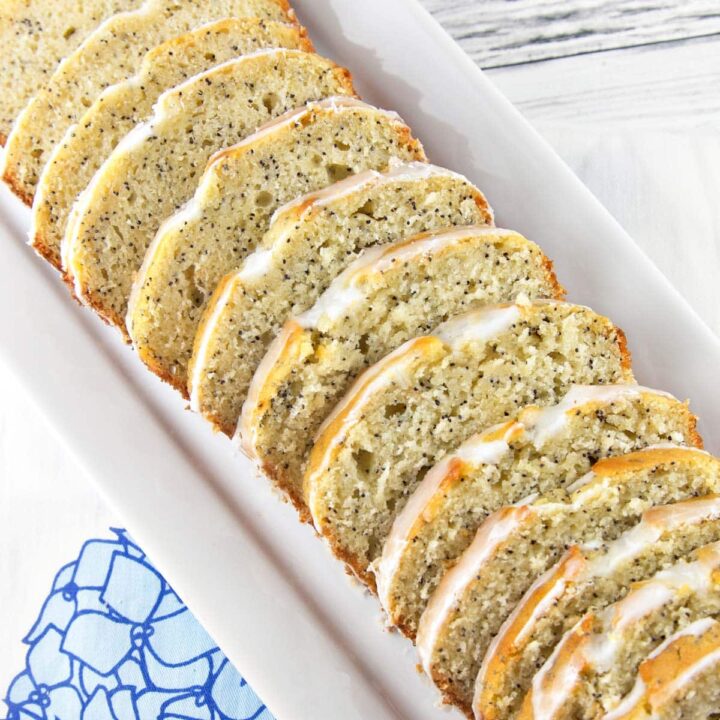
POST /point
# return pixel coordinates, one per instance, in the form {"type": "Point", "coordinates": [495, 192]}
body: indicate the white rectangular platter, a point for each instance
{"type": "Point", "coordinates": [308, 639]}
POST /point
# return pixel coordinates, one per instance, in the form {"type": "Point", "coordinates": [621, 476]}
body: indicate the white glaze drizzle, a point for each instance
{"type": "Point", "coordinates": [646, 597]}
{"type": "Point", "coordinates": [638, 693]}
{"type": "Point", "coordinates": [489, 452]}
{"type": "Point", "coordinates": [600, 649]}
{"type": "Point", "coordinates": [684, 678]}
{"type": "Point", "coordinates": [200, 358]}
{"type": "Point", "coordinates": [495, 530]}
{"type": "Point", "coordinates": [335, 104]}
{"type": "Point", "coordinates": [694, 629]}
{"type": "Point", "coordinates": [550, 421]}
{"type": "Point", "coordinates": [633, 698]}
{"type": "Point", "coordinates": [397, 540]}
{"type": "Point", "coordinates": [392, 369]}
{"type": "Point", "coordinates": [477, 451]}
{"type": "Point", "coordinates": [482, 545]}
{"type": "Point", "coordinates": [622, 550]}
{"type": "Point", "coordinates": [343, 292]}
{"type": "Point", "coordinates": [256, 265]}
{"type": "Point", "coordinates": [546, 704]}
{"type": "Point", "coordinates": [539, 610]}
{"type": "Point", "coordinates": [479, 325]}
{"type": "Point", "coordinates": [398, 171]}
{"type": "Point", "coordinates": [653, 525]}
{"type": "Point", "coordinates": [246, 432]}
{"type": "Point", "coordinates": [259, 262]}
{"type": "Point", "coordinates": [193, 210]}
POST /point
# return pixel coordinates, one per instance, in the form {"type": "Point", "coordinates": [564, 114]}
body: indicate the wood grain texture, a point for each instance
{"type": "Point", "coordinates": [498, 33]}
{"type": "Point", "coordinates": [668, 86]}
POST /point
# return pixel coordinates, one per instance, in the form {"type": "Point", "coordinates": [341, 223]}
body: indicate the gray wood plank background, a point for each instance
{"type": "Point", "coordinates": [596, 61]}
{"type": "Point", "coordinates": [498, 33]}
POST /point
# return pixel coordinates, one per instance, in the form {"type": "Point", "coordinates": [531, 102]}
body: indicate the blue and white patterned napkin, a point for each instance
{"type": "Point", "coordinates": [114, 642]}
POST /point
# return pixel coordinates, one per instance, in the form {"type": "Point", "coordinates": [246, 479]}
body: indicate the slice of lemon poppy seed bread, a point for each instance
{"type": "Point", "coordinates": [405, 412]}
{"type": "Point", "coordinates": [679, 680]}
{"type": "Point", "coordinates": [33, 41]}
{"type": "Point", "coordinates": [88, 143]}
{"type": "Point", "coordinates": [594, 664]}
{"type": "Point", "coordinates": [391, 293]}
{"type": "Point", "coordinates": [541, 451]}
{"type": "Point", "coordinates": [584, 579]}
{"type": "Point", "coordinates": [231, 210]}
{"type": "Point", "coordinates": [518, 543]}
{"type": "Point", "coordinates": [156, 167]}
{"type": "Point", "coordinates": [112, 53]}
{"type": "Point", "coordinates": [309, 242]}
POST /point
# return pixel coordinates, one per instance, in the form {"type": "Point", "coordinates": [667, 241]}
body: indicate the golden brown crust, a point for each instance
{"type": "Point", "coordinates": [450, 696]}
{"type": "Point", "coordinates": [694, 437]}
{"type": "Point", "coordinates": [306, 43]}
{"type": "Point", "coordinates": [159, 369]}
{"type": "Point", "coordinates": [3, 139]}
{"type": "Point", "coordinates": [47, 253]}
{"type": "Point", "coordinates": [484, 207]}
{"type": "Point", "coordinates": [17, 188]}
{"type": "Point", "coordinates": [659, 673]}
{"type": "Point", "coordinates": [507, 651]}
{"type": "Point", "coordinates": [89, 299]}
{"type": "Point", "coordinates": [330, 440]}
{"type": "Point", "coordinates": [202, 327]}
{"type": "Point", "coordinates": [110, 316]}
{"type": "Point", "coordinates": [280, 478]}
{"type": "Point", "coordinates": [303, 116]}
{"type": "Point", "coordinates": [290, 344]}
{"type": "Point", "coordinates": [352, 562]}
{"type": "Point", "coordinates": [567, 663]}
{"type": "Point", "coordinates": [624, 352]}
{"type": "Point", "coordinates": [456, 471]}
{"type": "Point", "coordinates": [285, 6]}
{"type": "Point", "coordinates": [291, 349]}
{"type": "Point", "coordinates": [559, 291]}
{"type": "Point", "coordinates": [346, 78]}
{"type": "Point", "coordinates": [644, 459]}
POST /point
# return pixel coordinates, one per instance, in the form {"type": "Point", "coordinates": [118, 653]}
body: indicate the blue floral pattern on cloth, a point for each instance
{"type": "Point", "coordinates": [114, 642]}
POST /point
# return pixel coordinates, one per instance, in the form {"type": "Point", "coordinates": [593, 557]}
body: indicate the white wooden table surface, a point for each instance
{"type": "Point", "coordinates": [628, 93]}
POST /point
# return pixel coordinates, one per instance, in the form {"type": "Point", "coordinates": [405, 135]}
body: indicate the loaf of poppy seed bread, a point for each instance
{"type": "Point", "coordinates": [156, 167]}
{"type": "Point", "coordinates": [542, 450]}
{"type": "Point", "coordinates": [33, 40]}
{"type": "Point", "coordinates": [405, 412]}
{"type": "Point", "coordinates": [584, 579]}
{"type": "Point", "coordinates": [111, 53]}
{"type": "Point", "coordinates": [231, 210]}
{"type": "Point", "coordinates": [308, 243]}
{"type": "Point", "coordinates": [390, 294]}
{"type": "Point", "coordinates": [87, 144]}
{"type": "Point", "coordinates": [678, 681]}
{"type": "Point", "coordinates": [595, 663]}
{"type": "Point", "coordinates": [518, 543]}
